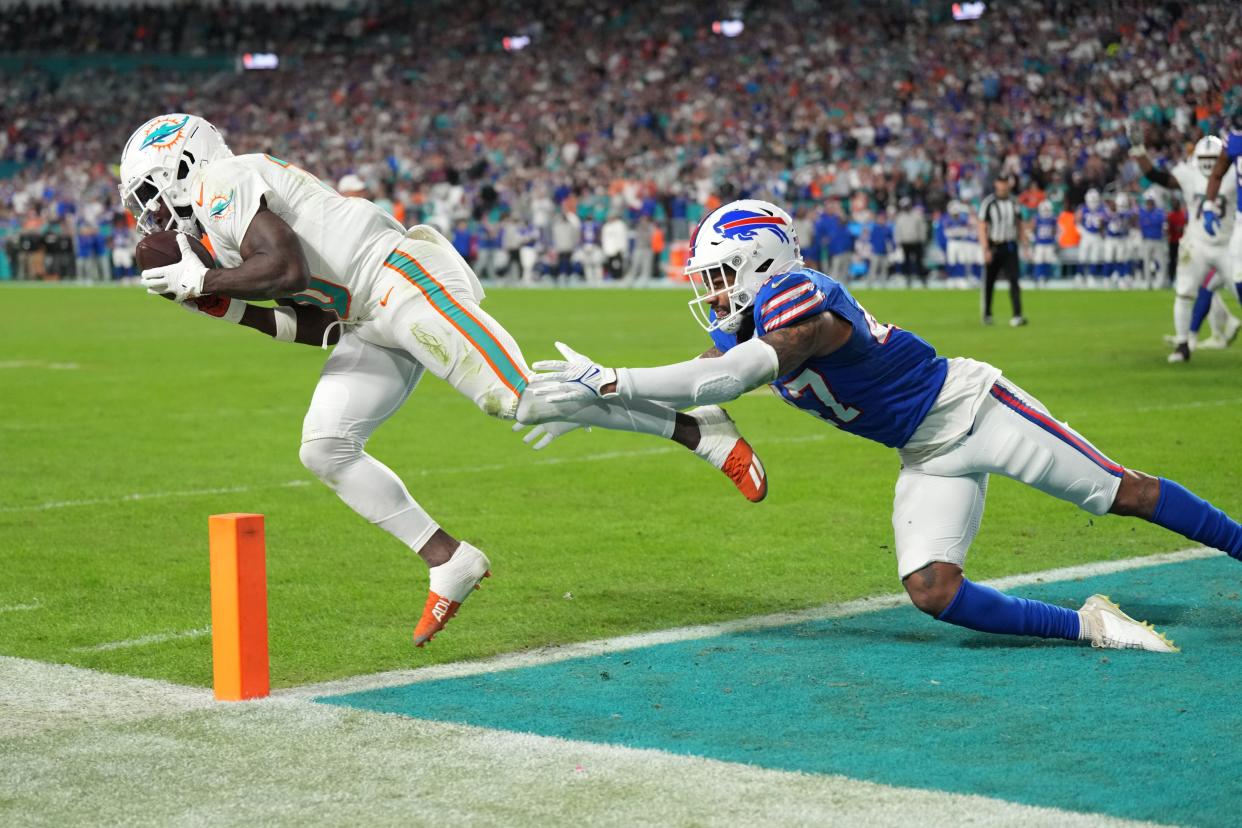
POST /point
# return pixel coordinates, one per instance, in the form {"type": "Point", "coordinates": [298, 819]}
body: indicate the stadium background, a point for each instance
{"type": "Point", "coordinates": [639, 111]}
{"type": "Point", "coordinates": [576, 688]}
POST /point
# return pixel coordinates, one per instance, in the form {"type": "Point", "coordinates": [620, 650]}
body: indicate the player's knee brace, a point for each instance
{"type": "Point", "coordinates": [327, 457]}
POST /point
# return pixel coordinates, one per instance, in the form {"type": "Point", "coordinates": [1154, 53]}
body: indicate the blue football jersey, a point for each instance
{"type": "Point", "coordinates": [879, 385]}
{"type": "Point", "coordinates": [1151, 223]}
{"type": "Point", "coordinates": [1233, 146]}
{"type": "Point", "coordinates": [1045, 230]}
{"type": "Point", "coordinates": [1093, 221]}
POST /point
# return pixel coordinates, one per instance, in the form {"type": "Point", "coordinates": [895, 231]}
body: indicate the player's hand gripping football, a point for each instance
{"type": "Point", "coordinates": [575, 378]}
{"type": "Point", "coordinates": [183, 280]}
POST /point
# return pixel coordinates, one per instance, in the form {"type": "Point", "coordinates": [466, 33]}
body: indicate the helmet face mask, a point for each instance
{"type": "Point", "coordinates": [1207, 150]}
{"type": "Point", "coordinates": [156, 166]}
{"type": "Point", "coordinates": [733, 252]}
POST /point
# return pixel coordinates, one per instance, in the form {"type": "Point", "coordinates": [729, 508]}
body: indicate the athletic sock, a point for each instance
{"type": "Point", "coordinates": [1186, 513]}
{"type": "Point", "coordinates": [1203, 304]}
{"type": "Point", "coordinates": [982, 608]}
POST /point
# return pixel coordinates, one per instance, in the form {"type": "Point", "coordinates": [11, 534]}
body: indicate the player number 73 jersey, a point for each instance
{"type": "Point", "coordinates": [880, 384]}
{"type": "Point", "coordinates": [345, 240]}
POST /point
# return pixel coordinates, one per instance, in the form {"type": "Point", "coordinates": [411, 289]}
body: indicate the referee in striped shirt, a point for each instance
{"type": "Point", "coordinates": [999, 224]}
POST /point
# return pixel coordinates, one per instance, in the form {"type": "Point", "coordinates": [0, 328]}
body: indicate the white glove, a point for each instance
{"type": "Point", "coordinates": [545, 433]}
{"type": "Point", "coordinates": [184, 280]}
{"type": "Point", "coordinates": [577, 377]}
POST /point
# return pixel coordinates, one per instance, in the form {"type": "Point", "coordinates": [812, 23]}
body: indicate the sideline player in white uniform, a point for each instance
{"type": "Point", "coordinates": [1199, 253]}
{"type": "Point", "coordinates": [952, 421]}
{"type": "Point", "coordinates": [408, 303]}
{"type": "Point", "coordinates": [1092, 250]}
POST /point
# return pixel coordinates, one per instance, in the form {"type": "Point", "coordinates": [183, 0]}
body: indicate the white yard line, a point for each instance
{"type": "Point", "coordinates": [143, 641]}
{"type": "Point", "coordinates": [432, 472]}
{"type": "Point", "coordinates": [32, 605]}
{"type": "Point", "coordinates": [140, 496]}
{"type": "Point", "coordinates": [549, 655]}
{"type": "Point", "coordinates": [1183, 405]}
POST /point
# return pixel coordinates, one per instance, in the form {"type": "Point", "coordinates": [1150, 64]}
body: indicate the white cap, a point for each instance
{"type": "Point", "coordinates": [350, 184]}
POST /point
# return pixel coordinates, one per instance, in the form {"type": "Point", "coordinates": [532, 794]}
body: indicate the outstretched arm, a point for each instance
{"type": "Point", "coordinates": [1154, 174]}
{"type": "Point", "coordinates": [698, 381]}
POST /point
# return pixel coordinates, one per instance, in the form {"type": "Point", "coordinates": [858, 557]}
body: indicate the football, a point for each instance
{"type": "Point", "coordinates": [159, 249]}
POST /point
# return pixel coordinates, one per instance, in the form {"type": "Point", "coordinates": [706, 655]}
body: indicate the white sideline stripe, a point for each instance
{"type": "Point", "coordinates": [131, 498]}
{"type": "Point", "coordinates": [142, 641]}
{"type": "Point", "coordinates": [585, 649]}
{"type": "Point", "coordinates": [490, 467]}
{"type": "Point", "coordinates": [33, 605]}
{"type": "Point", "coordinates": [85, 747]}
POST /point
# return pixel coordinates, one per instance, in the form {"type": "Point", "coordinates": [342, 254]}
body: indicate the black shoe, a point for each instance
{"type": "Point", "coordinates": [1017, 322]}
{"type": "Point", "coordinates": [987, 320]}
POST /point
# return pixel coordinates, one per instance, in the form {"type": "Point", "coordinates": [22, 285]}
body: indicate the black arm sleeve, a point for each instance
{"type": "Point", "coordinates": [1161, 177]}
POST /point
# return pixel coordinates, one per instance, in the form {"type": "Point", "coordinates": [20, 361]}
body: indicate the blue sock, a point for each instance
{"type": "Point", "coordinates": [1237, 286]}
{"type": "Point", "coordinates": [982, 608]}
{"type": "Point", "coordinates": [1203, 304]}
{"type": "Point", "coordinates": [1190, 515]}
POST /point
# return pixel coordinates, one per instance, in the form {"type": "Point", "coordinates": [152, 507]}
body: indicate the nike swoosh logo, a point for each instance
{"type": "Point", "coordinates": [384, 301]}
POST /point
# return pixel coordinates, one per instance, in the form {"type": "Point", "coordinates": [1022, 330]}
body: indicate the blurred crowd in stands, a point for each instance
{"type": "Point", "coordinates": [596, 148]}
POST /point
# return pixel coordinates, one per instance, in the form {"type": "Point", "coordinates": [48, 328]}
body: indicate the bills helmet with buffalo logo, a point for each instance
{"type": "Point", "coordinates": [735, 249]}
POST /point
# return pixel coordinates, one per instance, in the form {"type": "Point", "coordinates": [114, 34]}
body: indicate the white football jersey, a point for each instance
{"type": "Point", "coordinates": [1194, 188]}
{"type": "Point", "coordinates": [345, 240]}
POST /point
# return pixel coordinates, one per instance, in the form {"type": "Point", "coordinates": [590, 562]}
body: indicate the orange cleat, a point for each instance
{"type": "Point", "coordinates": [724, 447]}
{"type": "Point", "coordinates": [451, 583]}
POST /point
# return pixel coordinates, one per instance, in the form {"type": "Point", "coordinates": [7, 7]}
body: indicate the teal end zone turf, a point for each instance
{"type": "Point", "coordinates": [897, 698]}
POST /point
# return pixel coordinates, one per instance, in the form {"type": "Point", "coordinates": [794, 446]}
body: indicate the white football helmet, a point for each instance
{"type": "Point", "coordinates": [156, 166]}
{"type": "Point", "coordinates": [1123, 202]}
{"type": "Point", "coordinates": [736, 248]}
{"type": "Point", "coordinates": [1093, 199]}
{"type": "Point", "coordinates": [1045, 209]}
{"type": "Point", "coordinates": [1206, 152]}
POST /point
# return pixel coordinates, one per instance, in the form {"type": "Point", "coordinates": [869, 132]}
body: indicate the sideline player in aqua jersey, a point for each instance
{"type": "Point", "coordinates": [408, 303]}
{"type": "Point", "coordinates": [1203, 258]}
{"type": "Point", "coordinates": [1212, 217]}
{"type": "Point", "coordinates": [953, 422]}
{"type": "Point", "coordinates": [1044, 246]}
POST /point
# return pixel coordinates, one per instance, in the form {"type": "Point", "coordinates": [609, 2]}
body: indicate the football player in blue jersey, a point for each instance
{"type": "Point", "coordinates": [1044, 244]}
{"type": "Point", "coordinates": [1231, 156]}
{"type": "Point", "coordinates": [953, 421]}
{"type": "Point", "coordinates": [1092, 220]}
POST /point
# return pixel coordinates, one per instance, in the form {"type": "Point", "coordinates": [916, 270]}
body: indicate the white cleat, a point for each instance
{"type": "Point", "coordinates": [722, 445]}
{"type": "Point", "coordinates": [1220, 343]}
{"type": "Point", "coordinates": [1107, 627]}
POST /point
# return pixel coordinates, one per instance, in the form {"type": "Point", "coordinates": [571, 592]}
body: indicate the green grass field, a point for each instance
{"type": "Point", "coordinates": [125, 422]}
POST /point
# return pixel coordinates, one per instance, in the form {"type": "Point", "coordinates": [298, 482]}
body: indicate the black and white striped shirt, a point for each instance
{"type": "Point", "coordinates": [1001, 217]}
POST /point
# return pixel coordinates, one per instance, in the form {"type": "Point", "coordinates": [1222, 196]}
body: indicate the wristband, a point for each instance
{"type": "Point", "coordinates": [286, 324]}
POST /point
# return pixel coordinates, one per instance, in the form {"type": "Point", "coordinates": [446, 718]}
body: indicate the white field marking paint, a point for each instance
{"type": "Point", "coordinates": [143, 641]}
{"type": "Point", "coordinates": [72, 738]}
{"type": "Point", "coordinates": [32, 605]}
{"type": "Point", "coordinates": [39, 363]}
{"type": "Point", "coordinates": [586, 649]}
{"type": "Point", "coordinates": [1190, 404]}
{"type": "Point", "coordinates": [36, 697]}
{"type": "Point", "coordinates": [140, 496]}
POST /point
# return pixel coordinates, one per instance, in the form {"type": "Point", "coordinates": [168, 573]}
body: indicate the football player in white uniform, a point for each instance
{"type": "Point", "coordinates": [1200, 253]}
{"type": "Point", "coordinates": [408, 303]}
